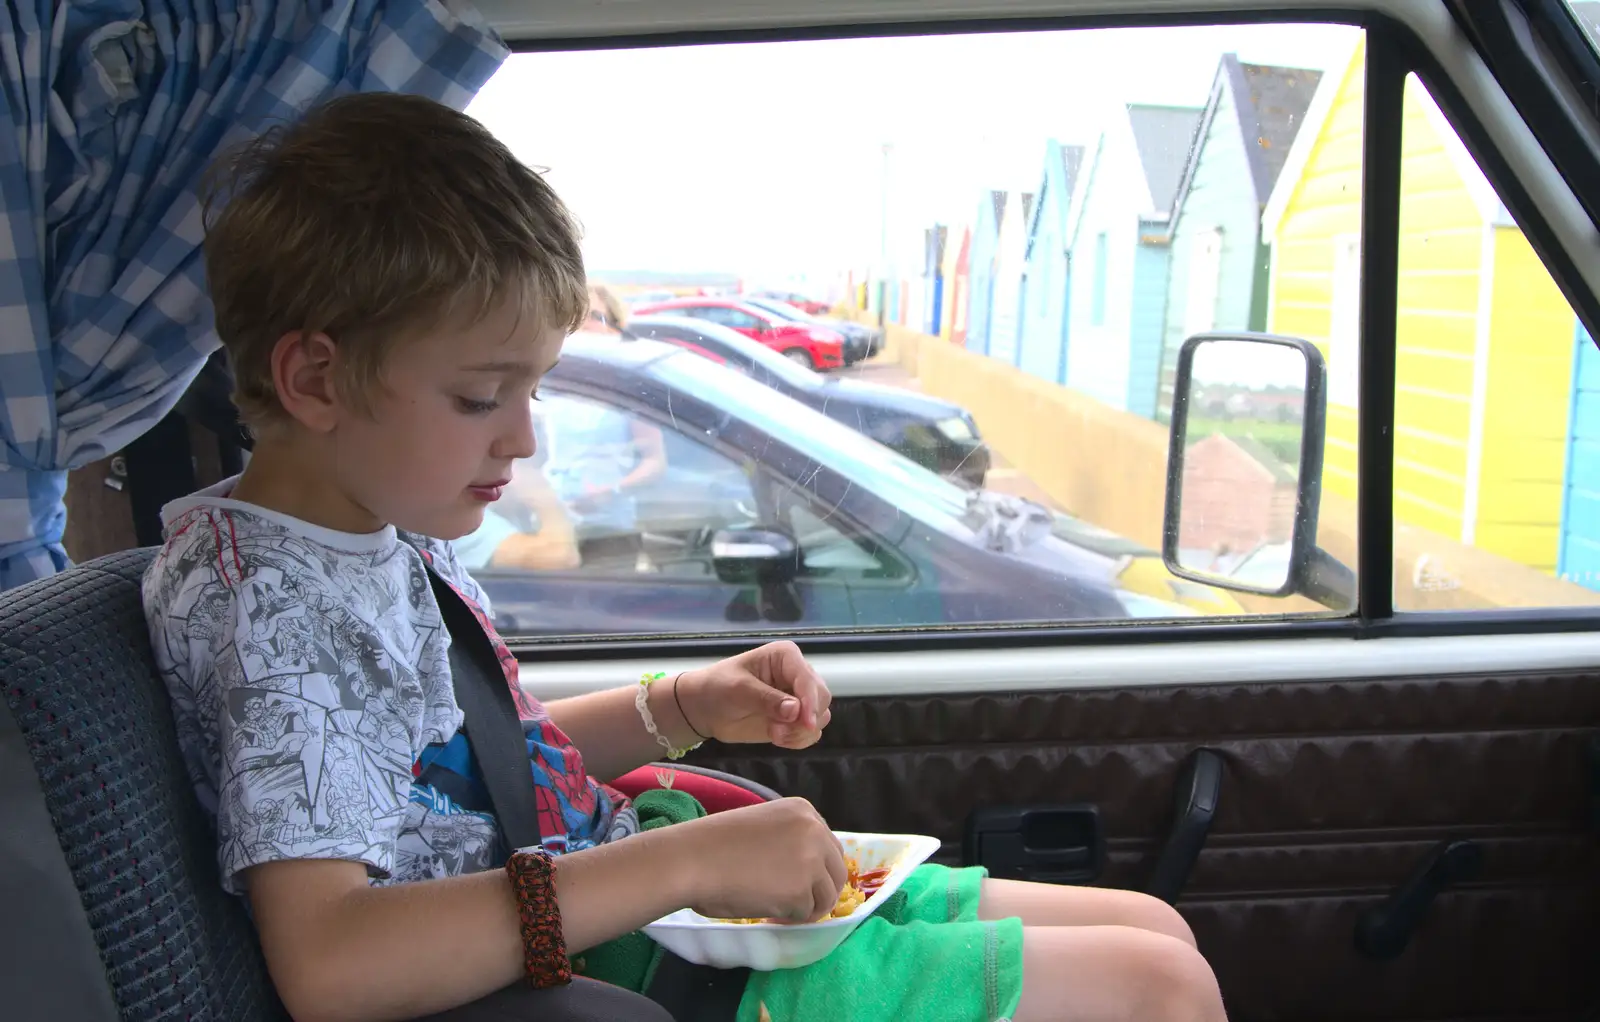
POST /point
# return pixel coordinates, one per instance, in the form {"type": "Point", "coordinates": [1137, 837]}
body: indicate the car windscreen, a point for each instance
{"type": "Point", "coordinates": [866, 463]}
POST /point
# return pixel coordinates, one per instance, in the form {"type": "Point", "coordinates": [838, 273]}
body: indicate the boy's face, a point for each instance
{"type": "Point", "coordinates": [453, 413]}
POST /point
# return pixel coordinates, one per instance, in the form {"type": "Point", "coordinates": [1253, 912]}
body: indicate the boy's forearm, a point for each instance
{"type": "Point", "coordinates": [402, 951]}
{"type": "Point", "coordinates": [607, 729]}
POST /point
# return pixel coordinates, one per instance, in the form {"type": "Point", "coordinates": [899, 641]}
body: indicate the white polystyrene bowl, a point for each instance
{"type": "Point", "coordinates": [768, 946]}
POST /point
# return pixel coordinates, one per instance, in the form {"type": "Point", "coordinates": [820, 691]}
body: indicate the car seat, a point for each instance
{"type": "Point", "coordinates": [108, 873]}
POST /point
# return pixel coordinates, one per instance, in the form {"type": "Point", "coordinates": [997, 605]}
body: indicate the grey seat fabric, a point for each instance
{"type": "Point", "coordinates": [43, 930]}
{"type": "Point", "coordinates": [76, 669]}
{"type": "Point", "coordinates": [129, 919]}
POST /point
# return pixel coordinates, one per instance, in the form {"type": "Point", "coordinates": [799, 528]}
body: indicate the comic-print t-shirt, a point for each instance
{"type": "Point", "coordinates": [310, 682]}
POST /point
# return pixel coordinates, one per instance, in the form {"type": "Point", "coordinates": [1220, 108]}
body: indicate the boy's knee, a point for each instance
{"type": "Point", "coordinates": [1176, 984]}
{"type": "Point", "coordinates": [1159, 917]}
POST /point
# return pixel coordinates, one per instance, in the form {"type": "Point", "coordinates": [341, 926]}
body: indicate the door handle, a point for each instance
{"type": "Point", "coordinates": [1051, 844]}
{"type": "Point", "coordinates": [1194, 807]}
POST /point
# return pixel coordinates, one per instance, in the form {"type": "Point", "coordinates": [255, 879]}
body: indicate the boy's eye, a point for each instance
{"type": "Point", "coordinates": [473, 406]}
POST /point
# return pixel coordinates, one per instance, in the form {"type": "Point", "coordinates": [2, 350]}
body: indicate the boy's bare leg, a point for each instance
{"type": "Point", "coordinates": [1057, 905]}
{"type": "Point", "coordinates": [1113, 974]}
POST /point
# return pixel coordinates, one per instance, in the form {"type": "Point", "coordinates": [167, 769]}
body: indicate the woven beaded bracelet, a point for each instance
{"type": "Point", "coordinates": [641, 703]}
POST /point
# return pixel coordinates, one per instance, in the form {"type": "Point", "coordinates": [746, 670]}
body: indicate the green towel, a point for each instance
{"type": "Point", "coordinates": [630, 960]}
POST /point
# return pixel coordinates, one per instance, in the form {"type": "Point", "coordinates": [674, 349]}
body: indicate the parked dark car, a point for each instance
{"type": "Point", "coordinates": [934, 433]}
{"type": "Point", "coordinates": [860, 341]}
{"type": "Point", "coordinates": [771, 512]}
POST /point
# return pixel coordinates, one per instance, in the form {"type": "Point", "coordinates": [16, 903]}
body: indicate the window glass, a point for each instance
{"type": "Point", "coordinates": [1497, 394]}
{"type": "Point", "coordinates": [784, 310]}
{"type": "Point", "coordinates": [724, 316]}
{"type": "Point", "coordinates": [997, 456]}
{"type": "Point", "coordinates": [626, 496]}
{"type": "Point", "coordinates": [709, 313]}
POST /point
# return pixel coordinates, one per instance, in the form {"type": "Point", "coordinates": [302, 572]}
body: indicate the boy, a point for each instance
{"type": "Point", "coordinates": [391, 284]}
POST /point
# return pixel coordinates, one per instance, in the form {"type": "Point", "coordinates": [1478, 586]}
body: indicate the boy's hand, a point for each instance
{"type": "Point", "coordinates": [769, 694]}
{"type": "Point", "coordinates": [777, 860]}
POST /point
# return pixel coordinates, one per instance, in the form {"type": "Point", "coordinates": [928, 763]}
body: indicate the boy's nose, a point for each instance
{"type": "Point", "coordinates": [518, 441]}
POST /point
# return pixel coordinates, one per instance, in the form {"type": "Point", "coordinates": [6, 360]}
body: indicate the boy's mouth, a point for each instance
{"type": "Point", "coordinates": [488, 492]}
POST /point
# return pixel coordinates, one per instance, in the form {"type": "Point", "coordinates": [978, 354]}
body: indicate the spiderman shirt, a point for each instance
{"type": "Point", "coordinates": [309, 676]}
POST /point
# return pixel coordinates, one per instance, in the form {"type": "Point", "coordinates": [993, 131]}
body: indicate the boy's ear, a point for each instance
{"type": "Point", "coordinates": [303, 376]}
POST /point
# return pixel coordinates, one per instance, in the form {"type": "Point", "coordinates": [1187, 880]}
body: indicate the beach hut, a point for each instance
{"type": "Point", "coordinates": [934, 278]}
{"type": "Point", "coordinates": [1047, 268]}
{"type": "Point", "coordinates": [1118, 240]}
{"type": "Point", "coordinates": [952, 269]}
{"type": "Point", "coordinates": [985, 243]}
{"type": "Point", "coordinates": [1578, 557]}
{"type": "Point", "coordinates": [1010, 253]}
{"type": "Point", "coordinates": [1219, 261]}
{"type": "Point", "coordinates": [1485, 339]}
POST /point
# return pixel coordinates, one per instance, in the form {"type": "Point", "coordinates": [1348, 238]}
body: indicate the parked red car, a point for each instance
{"type": "Point", "coordinates": [811, 346]}
{"type": "Point", "coordinates": [810, 305]}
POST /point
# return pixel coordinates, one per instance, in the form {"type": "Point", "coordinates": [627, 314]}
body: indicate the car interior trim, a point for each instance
{"type": "Point", "coordinates": [952, 672]}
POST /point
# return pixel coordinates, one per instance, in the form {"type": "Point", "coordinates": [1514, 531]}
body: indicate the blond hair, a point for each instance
{"type": "Point", "coordinates": [611, 305]}
{"type": "Point", "coordinates": [375, 218]}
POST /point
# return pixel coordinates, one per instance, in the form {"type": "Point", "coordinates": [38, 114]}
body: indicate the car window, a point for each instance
{"type": "Point", "coordinates": [740, 320]}
{"type": "Point", "coordinates": [829, 550]}
{"type": "Point", "coordinates": [640, 499]}
{"type": "Point", "coordinates": [785, 310]}
{"type": "Point", "coordinates": [824, 441]}
{"type": "Point", "coordinates": [719, 314]}
{"type": "Point", "coordinates": [1217, 189]}
{"type": "Point", "coordinates": [1497, 390]}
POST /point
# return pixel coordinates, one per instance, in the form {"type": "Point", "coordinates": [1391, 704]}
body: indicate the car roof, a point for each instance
{"type": "Point", "coordinates": [616, 352]}
{"type": "Point", "coordinates": [703, 327]}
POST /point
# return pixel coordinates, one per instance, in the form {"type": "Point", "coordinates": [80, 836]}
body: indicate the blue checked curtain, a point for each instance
{"type": "Point", "coordinates": [113, 109]}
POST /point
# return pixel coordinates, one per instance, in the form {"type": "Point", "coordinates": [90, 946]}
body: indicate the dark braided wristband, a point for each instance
{"type": "Point", "coordinates": [544, 947]}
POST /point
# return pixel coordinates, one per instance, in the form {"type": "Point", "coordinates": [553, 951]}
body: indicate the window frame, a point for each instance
{"type": "Point", "coordinates": [1538, 46]}
{"type": "Point", "coordinates": [1393, 50]}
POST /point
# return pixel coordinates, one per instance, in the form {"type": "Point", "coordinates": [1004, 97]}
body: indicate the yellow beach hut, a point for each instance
{"type": "Point", "coordinates": [1484, 336]}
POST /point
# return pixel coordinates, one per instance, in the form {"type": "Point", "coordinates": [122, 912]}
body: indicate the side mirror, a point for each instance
{"type": "Point", "coordinates": [756, 556]}
{"type": "Point", "coordinates": [1244, 469]}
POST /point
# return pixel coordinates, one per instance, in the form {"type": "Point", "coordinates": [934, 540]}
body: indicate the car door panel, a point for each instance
{"type": "Point", "coordinates": [1333, 793]}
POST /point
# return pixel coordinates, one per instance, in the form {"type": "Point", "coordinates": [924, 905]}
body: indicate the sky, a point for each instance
{"type": "Point", "coordinates": [768, 159]}
{"type": "Point", "coordinates": [1249, 364]}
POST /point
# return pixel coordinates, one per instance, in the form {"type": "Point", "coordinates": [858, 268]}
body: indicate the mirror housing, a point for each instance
{"type": "Point", "coordinates": [1249, 383]}
{"type": "Point", "coordinates": [755, 556]}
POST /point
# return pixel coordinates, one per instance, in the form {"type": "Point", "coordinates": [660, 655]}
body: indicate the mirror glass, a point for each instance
{"type": "Point", "coordinates": [1242, 439]}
